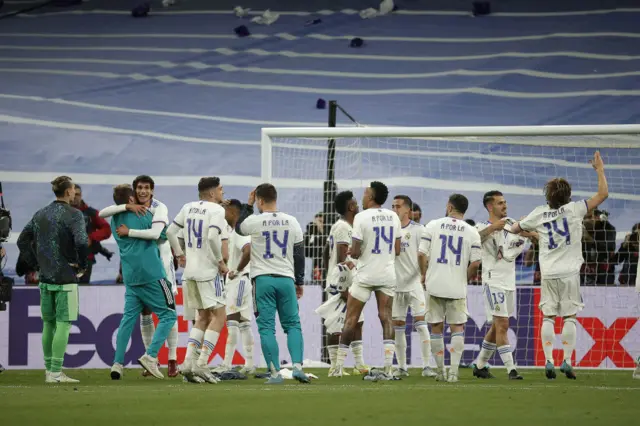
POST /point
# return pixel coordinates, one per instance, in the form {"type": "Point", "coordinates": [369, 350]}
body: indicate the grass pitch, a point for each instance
{"type": "Point", "coordinates": [596, 398]}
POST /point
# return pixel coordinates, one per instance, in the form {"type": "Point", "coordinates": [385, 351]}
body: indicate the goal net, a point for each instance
{"type": "Point", "coordinates": [429, 164]}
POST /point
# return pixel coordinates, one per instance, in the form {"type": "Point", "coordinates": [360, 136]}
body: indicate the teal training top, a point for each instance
{"type": "Point", "coordinates": [140, 259]}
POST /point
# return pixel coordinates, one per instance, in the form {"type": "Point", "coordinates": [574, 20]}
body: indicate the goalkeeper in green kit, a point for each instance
{"type": "Point", "coordinates": [55, 243]}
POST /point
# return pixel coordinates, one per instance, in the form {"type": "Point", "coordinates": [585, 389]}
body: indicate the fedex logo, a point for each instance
{"type": "Point", "coordinates": [93, 338]}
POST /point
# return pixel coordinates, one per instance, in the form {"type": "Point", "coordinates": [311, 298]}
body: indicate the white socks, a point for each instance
{"type": "Point", "coordinates": [437, 349]}
{"type": "Point", "coordinates": [210, 340]}
{"type": "Point", "coordinates": [400, 346]}
{"type": "Point", "coordinates": [568, 338]}
{"type": "Point", "coordinates": [425, 342]}
{"type": "Point", "coordinates": [247, 343]}
{"type": "Point", "coordinates": [548, 336]}
{"type": "Point", "coordinates": [486, 352]}
{"type": "Point", "coordinates": [389, 351]}
{"type": "Point", "coordinates": [343, 351]}
{"type": "Point", "coordinates": [147, 328]}
{"type": "Point", "coordinates": [232, 341]}
{"type": "Point", "coordinates": [333, 354]}
{"type": "Point", "coordinates": [172, 342]}
{"type": "Point", "coordinates": [193, 346]}
{"type": "Point", "coordinates": [357, 350]}
{"type": "Point", "coordinates": [507, 357]}
{"type": "Point", "coordinates": [457, 348]}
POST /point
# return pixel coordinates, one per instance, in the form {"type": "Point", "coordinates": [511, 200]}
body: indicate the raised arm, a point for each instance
{"type": "Point", "coordinates": [603, 186]}
{"type": "Point", "coordinates": [486, 232]}
{"type": "Point", "coordinates": [247, 211]}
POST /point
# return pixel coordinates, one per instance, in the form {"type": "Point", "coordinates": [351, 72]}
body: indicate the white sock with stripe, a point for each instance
{"type": "Point", "coordinates": [486, 352]}
{"type": "Point", "coordinates": [210, 340]}
{"type": "Point", "coordinates": [193, 345]}
{"type": "Point", "coordinates": [232, 341]}
{"type": "Point", "coordinates": [507, 357]}
{"type": "Point", "coordinates": [147, 328]}
{"type": "Point", "coordinates": [247, 343]}
{"type": "Point", "coordinates": [172, 342]}
{"type": "Point", "coordinates": [457, 348]}
{"type": "Point", "coordinates": [357, 351]}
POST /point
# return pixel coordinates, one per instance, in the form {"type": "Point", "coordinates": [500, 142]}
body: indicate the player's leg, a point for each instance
{"type": "Point", "coordinates": [132, 309]}
{"type": "Point", "coordinates": [418, 306]}
{"type": "Point", "coordinates": [399, 311]}
{"type": "Point", "coordinates": [246, 333]}
{"type": "Point", "coordinates": [48, 311]}
{"type": "Point", "coordinates": [435, 318]}
{"type": "Point", "coordinates": [333, 314]}
{"type": "Point", "coordinates": [488, 347]}
{"type": "Point", "coordinates": [265, 299]}
{"type": "Point", "coordinates": [212, 295]}
{"type": "Point", "coordinates": [159, 297]}
{"type": "Point", "coordinates": [66, 311]}
{"type": "Point", "coordinates": [287, 306]}
{"type": "Point", "coordinates": [172, 339]}
{"type": "Point", "coordinates": [358, 296]}
{"type": "Point", "coordinates": [357, 349]}
{"type": "Point", "coordinates": [456, 316]}
{"type": "Point", "coordinates": [384, 299]}
{"type": "Point", "coordinates": [504, 309]}
{"type": "Point", "coordinates": [234, 294]}
{"type": "Point", "coordinates": [570, 305]}
{"type": "Point", "coordinates": [550, 307]}
{"type": "Point", "coordinates": [147, 327]}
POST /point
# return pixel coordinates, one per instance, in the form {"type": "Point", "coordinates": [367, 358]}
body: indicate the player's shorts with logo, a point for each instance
{"type": "Point", "coordinates": [362, 291]}
{"type": "Point", "coordinates": [451, 311]}
{"type": "Point", "coordinates": [404, 300]}
{"type": "Point", "coordinates": [561, 296]}
{"type": "Point", "coordinates": [239, 293]}
{"type": "Point", "coordinates": [334, 313]}
{"type": "Point", "coordinates": [205, 294]}
{"type": "Point", "coordinates": [499, 302]}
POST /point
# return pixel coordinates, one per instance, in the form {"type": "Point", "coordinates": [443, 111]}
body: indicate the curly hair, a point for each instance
{"type": "Point", "coordinates": [557, 192]}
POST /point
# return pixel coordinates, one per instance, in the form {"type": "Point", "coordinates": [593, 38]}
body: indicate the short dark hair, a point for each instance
{"type": "Point", "coordinates": [143, 179]}
{"type": "Point", "coordinates": [488, 197]}
{"type": "Point", "coordinates": [470, 222]}
{"type": "Point", "coordinates": [342, 202]}
{"type": "Point", "coordinates": [267, 192]}
{"type": "Point", "coordinates": [78, 187]}
{"type": "Point", "coordinates": [459, 202]}
{"type": "Point", "coordinates": [122, 193]}
{"type": "Point", "coordinates": [60, 185]}
{"type": "Point", "coordinates": [236, 204]}
{"type": "Point", "coordinates": [557, 192]}
{"type": "Point", "coordinates": [207, 183]}
{"type": "Point", "coordinates": [405, 199]}
{"type": "Point", "coordinates": [380, 192]}
{"type": "Point", "coordinates": [416, 208]}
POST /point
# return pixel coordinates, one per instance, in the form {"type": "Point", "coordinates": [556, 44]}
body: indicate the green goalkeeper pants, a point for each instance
{"type": "Point", "coordinates": [276, 294]}
{"type": "Point", "coordinates": [59, 307]}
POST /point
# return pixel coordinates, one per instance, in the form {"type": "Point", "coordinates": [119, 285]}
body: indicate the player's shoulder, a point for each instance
{"type": "Point", "coordinates": [155, 204]}
{"type": "Point", "coordinates": [340, 225]}
{"type": "Point", "coordinates": [482, 225]}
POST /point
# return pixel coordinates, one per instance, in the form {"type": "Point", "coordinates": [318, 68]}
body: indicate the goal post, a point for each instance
{"type": "Point", "coordinates": [430, 163]}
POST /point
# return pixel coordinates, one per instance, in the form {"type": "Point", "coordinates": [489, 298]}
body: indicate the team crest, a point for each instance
{"type": "Point", "coordinates": [408, 236]}
{"type": "Point", "coordinates": [497, 308]}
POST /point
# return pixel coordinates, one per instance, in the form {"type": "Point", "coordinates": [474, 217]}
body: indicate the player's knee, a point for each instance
{"type": "Point", "coordinates": [501, 324]}
{"type": "Point", "coordinates": [384, 317]}
{"type": "Point", "coordinates": [290, 323]}
{"type": "Point", "coordinates": [399, 323]}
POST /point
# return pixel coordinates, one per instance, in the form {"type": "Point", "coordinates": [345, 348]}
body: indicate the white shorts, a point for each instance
{"type": "Point", "coordinates": [453, 311]}
{"type": "Point", "coordinates": [362, 291]}
{"type": "Point", "coordinates": [188, 313]}
{"type": "Point", "coordinates": [239, 296]}
{"type": "Point", "coordinates": [403, 300]}
{"type": "Point", "coordinates": [205, 294]}
{"type": "Point", "coordinates": [561, 296]}
{"type": "Point", "coordinates": [498, 302]}
{"type": "Point", "coordinates": [334, 312]}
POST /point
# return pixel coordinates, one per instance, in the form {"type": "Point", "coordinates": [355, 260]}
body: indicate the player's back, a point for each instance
{"type": "Point", "coordinates": [377, 229]}
{"type": "Point", "coordinates": [451, 244]}
{"type": "Point", "coordinates": [560, 238]}
{"type": "Point", "coordinates": [273, 235]}
{"type": "Point", "coordinates": [200, 218]}
{"type": "Point", "coordinates": [407, 266]}
{"type": "Point", "coordinates": [340, 233]}
{"type": "Point", "coordinates": [237, 243]}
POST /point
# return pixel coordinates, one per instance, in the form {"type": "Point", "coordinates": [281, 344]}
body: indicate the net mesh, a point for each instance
{"type": "Point", "coordinates": [429, 169]}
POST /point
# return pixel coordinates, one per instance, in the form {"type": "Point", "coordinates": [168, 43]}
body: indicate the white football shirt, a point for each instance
{"type": "Point", "coordinates": [377, 229]}
{"type": "Point", "coordinates": [236, 243]}
{"type": "Point", "coordinates": [407, 265]}
{"type": "Point", "coordinates": [198, 219]}
{"type": "Point", "coordinates": [560, 238]}
{"type": "Point", "coordinates": [499, 252]}
{"type": "Point", "coordinates": [273, 235]}
{"type": "Point", "coordinates": [451, 245]}
{"type": "Point", "coordinates": [340, 234]}
{"type": "Point", "coordinates": [160, 214]}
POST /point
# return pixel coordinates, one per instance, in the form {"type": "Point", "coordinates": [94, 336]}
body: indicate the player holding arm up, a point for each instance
{"type": "Point", "coordinates": [410, 267]}
{"type": "Point", "coordinates": [202, 222]}
{"type": "Point", "coordinates": [277, 268]}
{"type": "Point", "coordinates": [499, 250]}
{"type": "Point", "coordinates": [143, 186]}
{"type": "Point", "coordinates": [375, 245]}
{"type": "Point", "coordinates": [559, 225]}
{"type": "Point", "coordinates": [453, 249]}
{"type": "Point", "coordinates": [339, 277]}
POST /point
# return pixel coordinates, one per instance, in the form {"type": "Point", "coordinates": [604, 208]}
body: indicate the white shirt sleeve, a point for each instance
{"type": "Point", "coordinates": [148, 234]}
{"type": "Point", "coordinates": [179, 220]}
{"type": "Point", "coordinates": [247, 227]}
{"type": "Point", "coordinates": [341, 235]}
{"type": "Point", "coordinates": [476, 247]}
{"type": "Point", "coordinates": [425, 240]}
{"type": "Point", "coordinates": [299, 235]}
{"type": "Point", "coordinates": [356, 233]}
{"type": "Point", "coordinates": [397, 225]}
{"type": "Point", "coordinates": [113, 210]}
{"type": "Point", "coordinates": [531, 222]}
{"type": "Point", "coordinates": [580, 208]}
{"type": "Point", "coordinates": [161, 214]}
